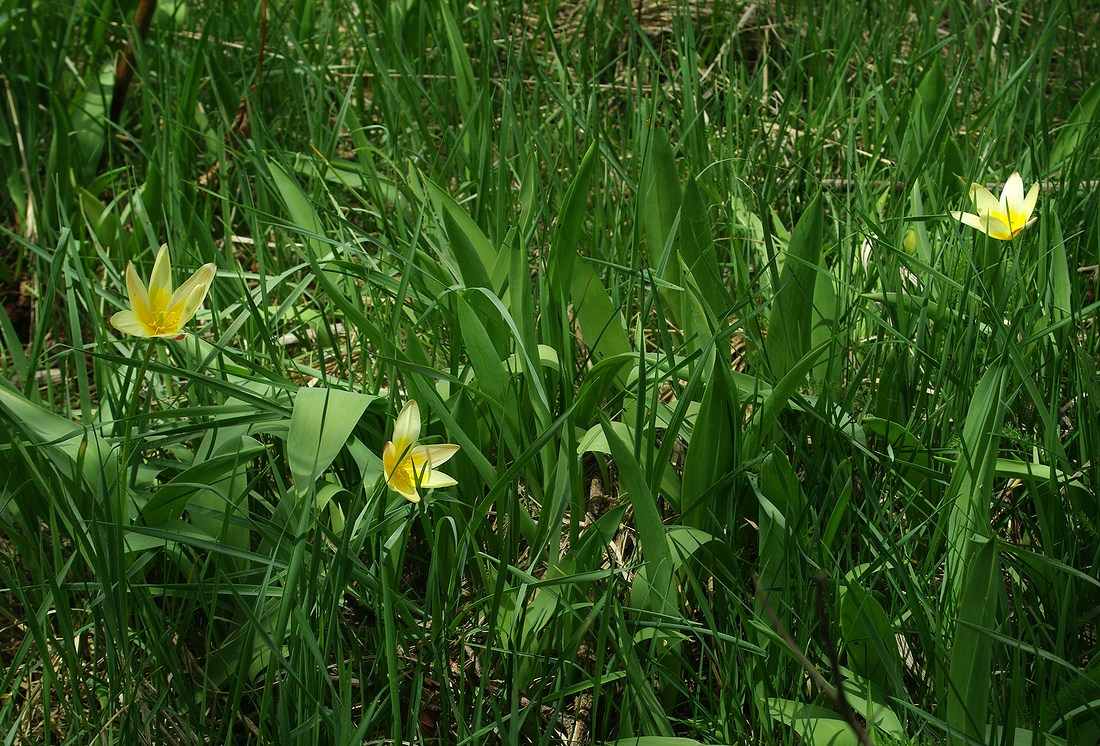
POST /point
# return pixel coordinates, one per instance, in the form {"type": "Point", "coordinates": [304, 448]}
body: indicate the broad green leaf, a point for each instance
{"type": "Point", "coordinates": [1059, 284]}
{"type": "Point", "coordinates": [816, 726]}
{"type": "Point", "coordinates": [868, 636]}
{"type": "Point", "coordinates": [104, 220]}
{"type": "Point", "coordinates": [781, 486]}
{"type": "Point", "coordinates": [710, 453]}
{"type": "Point", "coordinates": [917, 305]}
{"type": "Point", "coordinates": [660, 595]}
{"type": "Point", "coordinates": [921, 243]}
{"type": "Point", "coordinates": [527, 192]}
{"type": "Point", "coordinates": [601, 324]}
{"type": "Point", "coordinates": [659, 198]}
{"type": "Point", "coordinates": [971, 488]}
{"type": "Point", "coordinates": [602, 378]}
{"type": "Point", "coordinates": [221, 510]}
{"type": "Point", "coordinates": [71, 446]}
{"type": "Point", "coordinates": [840, 496]}
{"type": "Point", "coordinates": [460, 62]}
{"type": "Point", "coordinates": [1025, 737]}
{"type": "Point", "coordinates": [913, 462]}
{"type": "Point", "coordinates": [683, 542]}
{"type": "Point", "coordinates": [970, 672]}
{"type": "Point", "coordinates": [572, 215]}
{"type": "Point", "coordinates": [491, 374]}
{"type": "Point", "coordinates": [168, 502]}
{"type": "Point", "coordinates": [775, 401]}
{"type": "Point", "coordinates": [697, 253]}
{"type": "Point", "coordinates": [469, 254]}
{"type": "Point", "coordinates": [595, 440]}
{"type": "Point", "coordinates": [790, 320]}
{"type": "Point", "coordinates": [89, 120]}
{"type": "Point", "coordinates": [932, 91]}
{"type": "Point", "coordinates": [321, 423]}
{"type": "Point", "coordinates": [779, 521]}
{"type": "Point", "coordinates": [823, 329]}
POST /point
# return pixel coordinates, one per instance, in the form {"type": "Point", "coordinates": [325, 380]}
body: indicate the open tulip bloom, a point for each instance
{"type": "Point", "coordinates": [1005, 217]}
{"type": "Point", "coordinates": [409, 467]}
{"type": "Point", "coordinates": [160, 311]}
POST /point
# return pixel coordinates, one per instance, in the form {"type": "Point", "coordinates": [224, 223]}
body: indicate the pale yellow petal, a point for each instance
{"type": "Point", "coordinates": [1012, 198]}
{"type": "Point", "coordinates": [390, 460]}
{"type": "Point", "coordinates": [399, 476]}
{"type": "Point", "coordinates": [437, 454]}
{"type": "Point", "coordinates": [1030, 200]}
{"type": "Point", "coordinates": [996, 228]}
{"type": "Point", "coordinates": [405, 488]}
{"type": "Point", "coordinates": [983, 199]}
{"type": "Point", "coordinates": [434, 480]}
{"type": "Point", "coordinates": [127, 322]}
{"type": "Point", "coordinates": [969, 218]}
{"type": "Point", "coordinates": [161, 278]}
{"type": "Point", "coordinates": [139, 297]}
{"type": "Point", "coordinates": [406, 431]}
{"type": "Point", "coordinates": [189, 296]}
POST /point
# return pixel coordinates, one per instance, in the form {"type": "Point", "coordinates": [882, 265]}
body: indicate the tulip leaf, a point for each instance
{"type": "Point", "coordinates": [89, 123]}
{"type": "Point", "coordinates": [840, 496]}
{"type": "Point", "coordinates": [651, 529]}
{"type": "Point", "coordinates": [824, 324]}
{"type": "Point", "coordinates": [219, 510]}
{"type": "Point", "coordinates": [970, 490]}
{"type": "Point", "coordinates": [868, 637]}
{"type": "Point", "coordinates": [970, 671]}
{"type": "Point", "coordinates": [660, 197]}
{"type": "Point", "coordinates": [814, 725]}
{"type": "Point", "coordinates": [655, 741]}
{"type": "Point", "coordinates": [321, 423]}
{"type": "Point", "coordinates": [72, 447]}
{"type": "Point", "coordinates": [564, 246]}
{"type": "Point", "coordinates": [1060, 286]}
{"type": "Point", "coordinates": [697, 249]}
{"type": "Point", "coordinates": [781, 508]}
{"type": "Point", "coordinates": [1024, 737]}
{"type": "Point", "coordinates": [209, 475]}
{"type": "Point", "coordinates": [780, 485]}
{"type": "Point", "coordinates": [790, 321]}
{"type": "Point", "coordinates": [710, 450]}
{"type": "Point", "coordinates": [491, 374]}
{"type": "Point", "coordinates": [601, 324]}
{"type": "Point", "coordinates": [776, 400]}
{"type": "Point", "coordinates": [469, 253]}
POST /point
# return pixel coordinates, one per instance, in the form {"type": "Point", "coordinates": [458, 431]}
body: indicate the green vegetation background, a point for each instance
{"type": "Point", "coordinates": [758, 444]}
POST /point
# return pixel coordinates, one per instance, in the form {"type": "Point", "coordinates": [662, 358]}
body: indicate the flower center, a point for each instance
{"type": "Point", "coordinates": [163, 319]}
{"type": "Point", "coordinates": [411, 473]}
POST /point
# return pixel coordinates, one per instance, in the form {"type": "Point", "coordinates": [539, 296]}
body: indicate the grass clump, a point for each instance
{"type": "Point", "coordinates": [756, 443]}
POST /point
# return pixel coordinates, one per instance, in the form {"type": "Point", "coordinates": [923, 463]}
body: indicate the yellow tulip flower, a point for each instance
{"type": "Point", "coordinates": [160, 311]}
{"type": "Point", "coordinates": [1001, 218]}
{"type": "Point", "coordinates": [408, 466]}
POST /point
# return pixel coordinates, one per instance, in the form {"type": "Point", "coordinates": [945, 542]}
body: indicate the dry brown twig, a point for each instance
{"type": "Point", "coordinates": [124, 71]}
